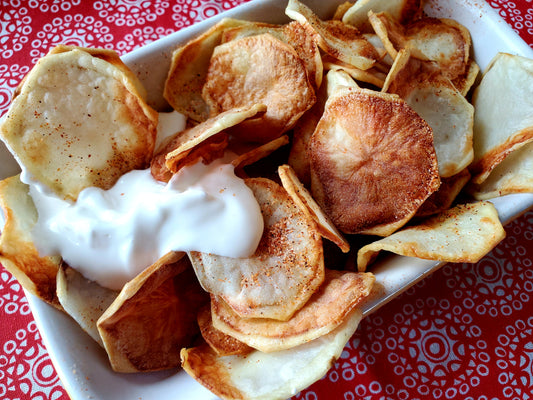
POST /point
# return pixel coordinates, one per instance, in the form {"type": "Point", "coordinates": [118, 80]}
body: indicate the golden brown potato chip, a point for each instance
{"type": "Point", "coordinates": [372, 161]}
{"type": "Point", "coordinates": [308, 205]}
{"type": "Point", "coordinates": [443, 107]}
{"type": "Point", "coordinates": [258, 153]}
{"type": "Point", "coordinates": [285, 270]}
{"type": "Point", "coordinates": [464, 82]}
{"type": "Point", "coordinates": [188, 70]}
{"type": "Point", "coordinates": [259, 70]}
{"type": "Point", "coordinates": [221, 343]}
{"type": "Point", "coordinates": [504, 112]}
{"type": "Point", "coordinates": [18, 253]}
{"type": "Point", "coordinates": [78, 120]}
{"type": "Point", "coordinates": [341, 41]}
{"type": "Point", "coordinates": [403, 11]}
{"type": "Point", "coordinates": [153, 317]}
{"type": "Point", "coordinates": [340, 293]}
{"type": "Point", "coordinates": [84, 300]}
{"type": "Point", "coordinates": [464, 233]}
{"type": "Point", "coordinates": [268, 376]}
{"type": "Point", "coordinates": [341, 10]}
{"type": "Point", "coordinates": [512, 175]}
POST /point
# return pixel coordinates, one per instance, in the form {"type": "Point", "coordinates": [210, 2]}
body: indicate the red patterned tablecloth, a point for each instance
{"type": "Point", "coordinates": [466, 332]}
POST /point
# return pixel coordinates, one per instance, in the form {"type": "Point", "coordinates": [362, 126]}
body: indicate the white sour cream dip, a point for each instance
{"type": "Point", "coordinates": [110, 236]}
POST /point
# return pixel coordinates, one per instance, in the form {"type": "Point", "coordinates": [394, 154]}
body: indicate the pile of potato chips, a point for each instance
{"type": "Point", "coordinates": [357, 125]}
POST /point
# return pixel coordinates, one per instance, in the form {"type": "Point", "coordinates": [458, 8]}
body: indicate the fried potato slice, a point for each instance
{"type": "Point", "coordinates": [372, 161]}
{"type": "Point", "coordinates": [221, 343]}
{"type": "Point", "coordinates": [188, 140]}
{"type": "Point", "coordinates": [466, 81]}
{"type": "Point", "coordinates": [444, 108]}
{"type": "Point", "coordinates": [84, 300]}
{"type": "Point", "coordinates": [303, 199]}
{"type": "Point", "coordinates": [153, 317]}
{"type": "Point", "coordinates": [441, 40]}
{"type": "Point", "coordinates": [464, 233]}
{"type": "Point", "coordinates": [336, 38]}
{"type": "Point", "coordinates": [502, 126]}
{"type": "Point", "coordinates": [285, 270]}
{"type": "Point", "coordinates": [512, 175]}
{"type": "Point", "coordinates": [371, 75]}
{"type": "Point", "coordinates": [18, 253]}
{"type": "Point", "coordinates": [340, 293]}
{"type": "Point", "coordinates": [257, 153]}
{"type": "Point", "coordinates": [444, 197]}
{"type": "Point", "coordinates": [259, 70]}
{"type": "Point", "coordinates": [78, 120]}
{"type": "Point", "coordinates": [403, 11]}
{"type": "Point", "coordinates": [188, 71]}
{"type": "Point", "coordinates": [268, 376]}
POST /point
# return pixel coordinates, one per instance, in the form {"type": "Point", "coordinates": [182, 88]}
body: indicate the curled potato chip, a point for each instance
{"type": "Point", "coordinates": [84, 300]}
{"type": "Point", "coordinates": [335, 37]}
{"type": "Point", "coordinates": [371, 75]}
{"type": "Point", "coordinates": [308, 205]}
{"type": "Point", "coordinates": [403, 11]}
{"type": "Point", "coordinates": [329, 306]}
{"type": "Point", "coordinates": [258, 153]}
{"type": "Point", "coordinates": [372, 161]}
{"type": "Point", "coordinates": [501, 127]}
{"type": "Point", "coordinates": [79, 120]}
{"type": "Point", "coordinates": [444, 108]}
{"type": "Point", "coordinates": [259, 70]}
{"type": "Point", "coordinates": [512, 175]}
{"type": "Point", "coordinates": [268, 376]}
{"type": "Point", "coordinates": [221, 343]}
{"type": "Point", "coordinates": [153, 317]}
{"type": "Point", "coordinates": [285, 270]}
{"type": "Point", "coordinates": [18, 253]}
{"type": "Point", "coordinates": [188, 70]}
{"type": "Point", "coordinates": [464, 233]}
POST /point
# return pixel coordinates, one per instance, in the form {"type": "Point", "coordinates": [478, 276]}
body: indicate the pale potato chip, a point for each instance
{"type": "Point", "coordinates": [308, 205]}
{"type": "Point", "coordinates": [328, 308]}
{"type": "Point", "coordinates": [512, 175]}
{"type": "Point", "coordinates": [504, 112]}
{"type": "Point", "coordinates": [338, 77]}
{"type": "Point", "coordinates": [442, 106]}
{"type": "Point", "coordinates": [153, 317]}
{"type": "Point", "coordinates": [268, 376]}
{"type": "Point", "coordinates": [259, 70]}
{"type": "Point", "coordinates": [372, 161]}
{"type": "Point", "coordinates": [18, 253]}
{"type": "Point", "coordinates": [78, 120]}
{"type": "Point", "coordinates": [341, 41]}
{"type": "Point", "coordinates": [403, 11]}
{"type": "Point", "coordinates": [371, 75]}
{"type": "Point", "coordinates": [84, 300]}
{"type": "Point", "coordinates": [188, 70]}
{"type": "Point", "coordinates": [285, 270]}
{"type": "Point", "coordinates": [444, 197]}
{"type": "Point", "coordinates": [221, 343]}
{"type": "Point", "coordinates": [464, 233]}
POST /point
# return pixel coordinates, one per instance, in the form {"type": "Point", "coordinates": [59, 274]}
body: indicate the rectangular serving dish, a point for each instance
{"type": "Point", "coordinates": [83, 366]}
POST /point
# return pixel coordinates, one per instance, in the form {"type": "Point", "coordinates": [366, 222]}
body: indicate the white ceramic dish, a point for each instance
{"type": "Point", "coordinates": [82, 365]}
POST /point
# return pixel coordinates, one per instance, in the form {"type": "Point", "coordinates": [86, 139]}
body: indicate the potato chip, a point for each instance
{"type": "Point", "coordinates": [185, 142]}
{"type": "Point", "coordinates": [372, 161]}
{"type": "Point", "coordinates": [340, 293]}
{"type": "Point", "coordinates": [221, 343]}
{"type": "Point", "coordinates": [502, 126]}
{"type": "Point", "coordinates": [403, 11]}
{"type": "Point", "coordinates": [18, 253]}
{"type": "Point", "coordinates": [444, 108]}
{"type": "Point", "coordinates": [78, 120]}
{"type": "Point", "coordinates": [464, 233]}
{"type": "Point", "coordinates": [341, 10]}
{"type": "Point", "coordinates": [258, 153]}
{"type": "Point", "coordinates": [188, 70]}
{"type": "Point", "coordinates": [464, 82]}
{"type": "Point", "coordinates": [371, 75]}
{"type": "Point", "coordinates": [512, 175]}
{"type": "Point", "coordinates": [335, 37]}
{"type": "Point", "coordinates": [84, 300]}
{"type": "Point", "coordinates": [285, 270]}
{"type": "Point", "coordinates": [308, 205]}
{"type": "Point", "coordinates": [153, 317]}
{"type": "Point", "coordinates": [259, 70]}
{"type": "Point", "coordinates": [268, 376]}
